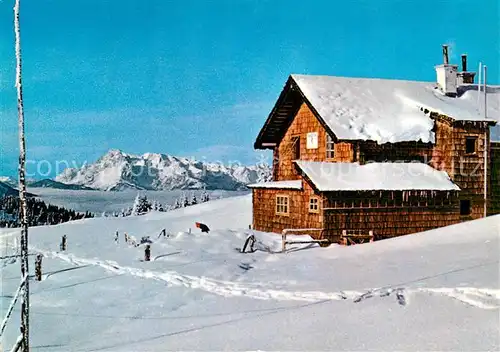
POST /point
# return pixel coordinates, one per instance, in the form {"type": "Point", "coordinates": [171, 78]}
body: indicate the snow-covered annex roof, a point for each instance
{"type": "Point", "coordinates": [382, 110]}
{"type": "Point", "coordinates": [294, 184]}
{"type": "Point", "coordinates": [328, 176]}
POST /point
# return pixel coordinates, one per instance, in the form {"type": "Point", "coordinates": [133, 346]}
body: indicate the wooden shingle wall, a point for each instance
{"type": "Point", "coordinates": [304, 122]}
{"type": "Point", "coordinates": [388, 213]}
{"type": "Point", "coordinates": [344, 152]}
{"type": "Point", "coordinates": [469, 169]}
{"type": "Point", "coordinates": [264, 210]}
{"type": "Point", "coordinates": [442, 156]}
{"type": "Point", "coordinates": [466, 170]}
{"type": "Point", "coordinates": [495, 179]}
{"type": "Point", "coordinates": [400, 152]}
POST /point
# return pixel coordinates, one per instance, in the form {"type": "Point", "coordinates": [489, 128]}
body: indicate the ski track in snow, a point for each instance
{"type": "Point", "coordinates": [483, 298]}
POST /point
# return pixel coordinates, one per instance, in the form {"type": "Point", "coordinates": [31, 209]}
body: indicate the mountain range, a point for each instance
{"type": "Point", "coordinates": [116, 171]}
{"type": "Point", "coordinates": [7, 189]}
{"type": "Point", "coordinates": [9, 181]}
{"type": "Point", "coordinates": [9, 185]}
{"type": "Point", "coordinates": [48, 183]}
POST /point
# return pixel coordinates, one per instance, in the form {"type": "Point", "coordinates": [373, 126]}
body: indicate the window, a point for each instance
{"type": "Point", "coordinates": [470, 145]}
{"type": "Point", "coordinates": [312, 140]}
{"type": "Point", "coordinates": [330, 147]}
{"type": "Point", "coordinates": [313, 205]}
{"type": "Point", "coordinates": [296, 148]}
{"type": "Point", "coordinates": [465, 207]}
{"type": "Point", "coordinates": [282, 205]}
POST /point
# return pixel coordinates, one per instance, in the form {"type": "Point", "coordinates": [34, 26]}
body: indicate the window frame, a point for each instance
{"type": "Point", "coordinates": [475, 140]}
{"type": "Point", "coordinates": [329, 147]}
{"type": "Point", "coordinates": [285, 206]}
{"type": "Point", "coordinates": [295, 147]}
{"type": "Point", "coordinates": [317, 203]}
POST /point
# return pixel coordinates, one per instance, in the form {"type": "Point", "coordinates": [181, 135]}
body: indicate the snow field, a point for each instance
{"type": "Point", "coordinates": [435, 290]}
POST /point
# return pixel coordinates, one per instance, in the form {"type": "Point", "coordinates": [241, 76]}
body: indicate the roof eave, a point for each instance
{"type": "Point", "coordinates": [259, 144]}
{"type": "Point", "coordinates": [290, 85]}
{"type": "Point", "coordinates": [435, 115]}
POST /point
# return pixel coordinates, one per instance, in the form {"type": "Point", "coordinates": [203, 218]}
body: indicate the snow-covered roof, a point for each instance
{"type": "Point", "coordinates": [294, 184]}
{"type": "Point", "coordinates": [327, 176]}
{"type": "Point", "coordinates": [387, 110]}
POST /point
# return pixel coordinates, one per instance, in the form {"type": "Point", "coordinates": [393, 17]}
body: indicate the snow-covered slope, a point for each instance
{"type": "Point", "coordinates": [437, 290]}
{"type": "Point", "coordinates": [118, 171]}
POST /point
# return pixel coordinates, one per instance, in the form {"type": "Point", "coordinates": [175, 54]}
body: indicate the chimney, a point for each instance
{"type": "Point", "coordinates": [465, 77]}
{"type": "Point", "coordinates": [447, 75]}
{"type": "Point", "coordinates": [445, 54]}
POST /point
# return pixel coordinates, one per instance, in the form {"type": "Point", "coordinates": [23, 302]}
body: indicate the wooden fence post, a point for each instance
{"type": "Point", "coordinates": [116, 237]}
{"type": "Point", "coordinates": [38, 267]}
{"type": "Point", "coordinates": [147, 253]}
{"type": "Point", "coordinates": [64, 243]}
{"type": "Point", "coordinates": [283, 241]}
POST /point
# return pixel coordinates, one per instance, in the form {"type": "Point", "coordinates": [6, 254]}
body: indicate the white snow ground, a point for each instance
{"type": "Point", "coordinates": [431, 291]}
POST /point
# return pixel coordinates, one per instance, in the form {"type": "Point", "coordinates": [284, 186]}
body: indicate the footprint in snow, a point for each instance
{"type": "Point", "coordinates": [386, 293]}
{"type": "Point", "coordinates": [245, 266]}
{"type": "Point", "coordinates": [364, 296]}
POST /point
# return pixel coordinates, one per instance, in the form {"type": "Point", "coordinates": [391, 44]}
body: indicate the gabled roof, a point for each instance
{"type": "Point", "coordinates": [281, 116]}
{"type": "Point", "coordinates": [327, 176]}
{"type": "Point", "coordinates": [381, 110]}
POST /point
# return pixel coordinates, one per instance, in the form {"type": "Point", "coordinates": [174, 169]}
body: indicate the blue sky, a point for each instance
{"type": "Point", "coordinates": [199, 77]}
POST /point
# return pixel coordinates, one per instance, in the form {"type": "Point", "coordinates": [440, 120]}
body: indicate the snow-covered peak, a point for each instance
{"type": "Point", "coordinates": [117, 170]}
{"type": "Point", "coordinates": [114, 154]}
{"type": "Point", "coordinates": [9, 181]}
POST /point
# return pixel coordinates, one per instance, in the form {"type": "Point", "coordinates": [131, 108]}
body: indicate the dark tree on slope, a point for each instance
{"type": "Point", "coordinates": [193, 199]}
{"type": "Point", "coordinates": [126, 212]}
{"type": "Point", "coordinates": [39, 213]}
{"type": "Point", "coordinates": [159, 207]}
{"type": "Point", "coordinates": [205, 197]}
{"type": "Point", "coordinates": [185, 200]}
{"type": "Point", "coordinates": [141, 205]}
{"type": "Point", "coordinates": [177, 204]}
